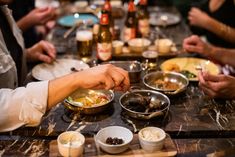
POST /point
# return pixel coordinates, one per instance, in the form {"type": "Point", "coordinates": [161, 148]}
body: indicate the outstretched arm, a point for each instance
{"type": "Point", "coordinates": [201, 19]}
{"type": "Point", "coordinates": [221, 55]}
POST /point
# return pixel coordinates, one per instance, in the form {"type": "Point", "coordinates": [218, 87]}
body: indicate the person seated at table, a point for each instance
{"type": "Point", "coordinates": [26, 105]}
{"type": "Point", "coordinates": [215, 86]}
{"type": "Point", "coordinates": [34, 22]}
{"type": "Point", "coordinates": [216, 21]}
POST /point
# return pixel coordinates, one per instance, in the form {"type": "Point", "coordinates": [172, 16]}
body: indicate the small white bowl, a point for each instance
{"type": "Point", "coordinates": [163, 46]}
{"type": "Point", "coordinates": [114, 131]}
{"type": "Point", "coordinates": [138, 45]}
{"type": "Point", "coordinates": [71, 143]}
{"type": "Point", "coordinates": [151, 138]}
{"type": "Point", "coordinates": [117, 46]}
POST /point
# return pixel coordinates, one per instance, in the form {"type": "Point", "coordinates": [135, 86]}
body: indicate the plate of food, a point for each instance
{"type": "Point", "coordinates": [164, 19]}
{"type": "Point", "coordinates": [189, 66]}
{"type": "Point", "coordinates": [70, 20]}
{"type": "Point", "coordinates": [58, 68]}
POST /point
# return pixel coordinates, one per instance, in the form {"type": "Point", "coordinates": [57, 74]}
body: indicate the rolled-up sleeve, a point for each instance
{"type": "Point", "coordinates": [23, 106]}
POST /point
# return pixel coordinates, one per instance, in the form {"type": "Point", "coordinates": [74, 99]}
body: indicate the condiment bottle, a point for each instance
{"type": "Point", "coordinates": [130, 23]}
{"type": "Point", "coordinates": [107, 6]}
{"type": "Point", "coordinates": [143, 19]}
{"type": "Point", "coordinates": [104, 41]}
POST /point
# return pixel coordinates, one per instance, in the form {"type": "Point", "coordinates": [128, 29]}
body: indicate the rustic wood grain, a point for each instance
{"type": "Point", "coordinates": [135, 150]}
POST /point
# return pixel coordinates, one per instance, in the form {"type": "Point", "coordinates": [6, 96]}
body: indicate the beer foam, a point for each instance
{"type": "Point", "coordinates": [84, 35]}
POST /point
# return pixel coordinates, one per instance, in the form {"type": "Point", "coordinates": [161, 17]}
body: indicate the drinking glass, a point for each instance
{"type": "Point", "coordinates": [84, 39]}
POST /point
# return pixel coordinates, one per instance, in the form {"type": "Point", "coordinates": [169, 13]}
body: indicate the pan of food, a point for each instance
{"type": "Point", "coordinates": [144, 104]}
{"type": "Point", "coordinates": [89, 101]}
{"type": "Point", "coordinates": [170, 83]}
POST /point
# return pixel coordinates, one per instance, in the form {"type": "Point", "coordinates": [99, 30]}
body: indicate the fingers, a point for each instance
{"type": "Point", "coordinates": [208, 91]}
{"type": "Point", "coordinates": [112, 78]}
{"type": "Point", "coordinates": [46, 14]}
{"type": "Point", "coordinates": [48, 48]}
{"type": "Point", "coordinates": [124, 81]}
{"type": "Point", "coordinates": [191, 44]}
{"type": "Point", "coordinates": [109, 83]}
{"type": "Point", "coordinates": [44, 58]}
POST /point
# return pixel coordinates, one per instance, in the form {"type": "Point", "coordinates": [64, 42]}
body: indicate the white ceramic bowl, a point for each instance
{"type": "Point", "coordinates": [114, 131]}
{"type": "Point", "coordinates": [163, 46]}
{"type": "Point", "coordinates": [71, 144]}
{"type": "Point", "coordinates": [138, 45]}
{"type": "Point", "coordinates": [151, 138]}
{"type": "Point", "coordinates": [117, 46]}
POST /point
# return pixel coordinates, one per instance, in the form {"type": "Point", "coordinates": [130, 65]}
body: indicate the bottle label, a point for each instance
{"type": "Point", "coordinates": [129, 33]}
{"type": "Point", "coordinates": [104, 51]}
{"type": "Point", "coordinates": [143, 2]}
{"type": "Point", "coordinates": [143, 26]}
{"type": "Point", "coordinates": [104, 19]}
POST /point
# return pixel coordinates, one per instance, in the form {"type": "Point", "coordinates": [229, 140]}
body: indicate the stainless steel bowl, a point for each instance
{"type": "Point", "coordinates": [134, 69]}
{"type": "Point", "coordinates": [151, 78]}
{"type": "Point", "coordinates": [87, 110]}
{"type": "Point", "coordinates": [163, 100]}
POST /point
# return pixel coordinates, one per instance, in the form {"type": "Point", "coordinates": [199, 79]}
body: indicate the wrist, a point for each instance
{"type": "Point", "coordinates": [78, 82]}
{"type": "Point", "coordinates": [209, 23]}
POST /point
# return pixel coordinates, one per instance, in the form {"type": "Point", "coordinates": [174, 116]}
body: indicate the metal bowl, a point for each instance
{"type": "Point", "coordinates": [173, 77]}
{"type": "Point", "coordinates": [154, 97]}
{"type": "Point", "coordinates": [88, 110]}
{"type": "Point", "coordinates": [134, 69]}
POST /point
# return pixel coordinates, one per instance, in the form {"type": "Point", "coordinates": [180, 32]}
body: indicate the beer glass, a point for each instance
{"type": "Point", "coordinates": [84, 39]}
{"type": "Point", "coordinates": [150, 60]}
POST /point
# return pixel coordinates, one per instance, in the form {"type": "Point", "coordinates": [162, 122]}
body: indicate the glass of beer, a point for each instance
{"type": "Point", "coordinates": [84, 39]}
{"type": "Point", "coordinates": [150, 60]}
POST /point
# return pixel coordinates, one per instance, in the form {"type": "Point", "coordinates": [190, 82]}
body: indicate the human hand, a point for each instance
{"type": "Point", "coordinates": [42, 51]}
{"type": "Point", "coordinates": [198, 18]}
{"type": "Point", "coordinates": [40, 16]}
{"type": "Point", "coordinates": [195, 44]}
{"type": "Point", "coordinates": [217, 86]}
{"type": "Point", "coordinates": [104, 77]}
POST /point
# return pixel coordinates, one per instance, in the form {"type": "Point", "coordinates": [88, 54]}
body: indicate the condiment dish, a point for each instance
{"type": "Point", "coordinates": [114, 132]}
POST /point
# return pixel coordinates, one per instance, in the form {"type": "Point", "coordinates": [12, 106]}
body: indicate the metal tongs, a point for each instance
{"type": "Point", "coordinates": [76, 25]}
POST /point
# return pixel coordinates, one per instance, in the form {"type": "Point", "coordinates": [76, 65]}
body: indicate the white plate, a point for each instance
{"type": "Point", "coordinates": [57, 69]}
{"type": "Point", "coordinates": [156, 19]}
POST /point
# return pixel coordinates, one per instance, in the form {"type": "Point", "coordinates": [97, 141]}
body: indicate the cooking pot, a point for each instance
{"type": "Point", "coordinates": [136, 111]}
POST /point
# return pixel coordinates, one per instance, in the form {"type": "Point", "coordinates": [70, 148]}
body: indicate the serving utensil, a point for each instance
{"type": "Point", "coordinates": [76, 25]}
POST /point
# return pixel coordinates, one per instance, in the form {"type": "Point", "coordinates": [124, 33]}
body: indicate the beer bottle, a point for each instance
{"type": "Point", "coordinates": [104, 42]}
{"type": "Point", "coordinates": [108, 8]}
{"type": "Point", "coordinates": [130, 23]}
{"type": "Point", "coordinates": [143, 19]}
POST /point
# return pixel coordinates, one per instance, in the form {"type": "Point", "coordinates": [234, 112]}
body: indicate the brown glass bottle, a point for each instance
{"type": "Point", "coordinates": [104, 41]}
{"type": "Point", "coordinates": [143, 19]}
{"type": "Point", "coordinates": [130, 23]}
{"type": "Point", "coordinates": [108, 8]}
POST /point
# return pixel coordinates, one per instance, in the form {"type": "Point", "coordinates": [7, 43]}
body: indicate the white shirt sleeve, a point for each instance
{"type": "Point", "coordinates": [23, 106]}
